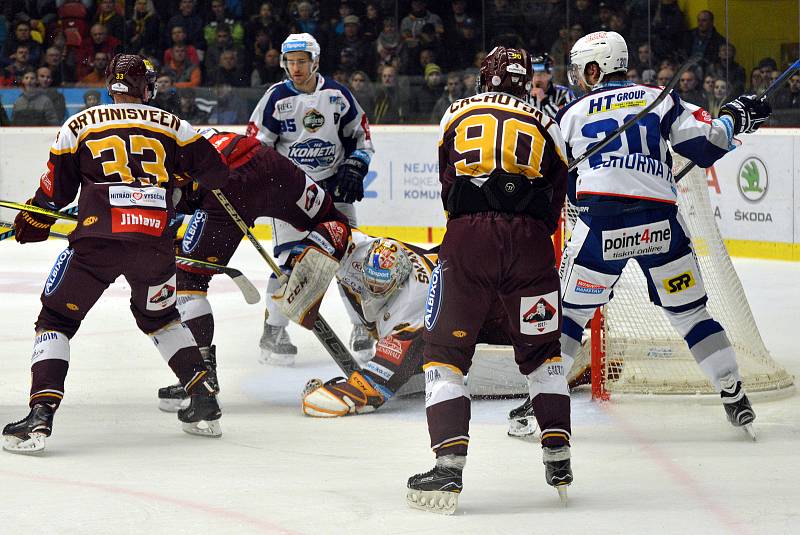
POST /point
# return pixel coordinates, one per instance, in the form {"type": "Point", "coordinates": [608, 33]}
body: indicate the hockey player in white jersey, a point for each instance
{"type": "Point", "coordinates": [317, 124]}
{"type": "Point", "coordinates": [387, 282]}
{"type": "Point", "coordinates": [626, 196]}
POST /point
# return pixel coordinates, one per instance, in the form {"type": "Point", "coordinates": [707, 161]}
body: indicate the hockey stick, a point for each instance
{"type": "Point", "coordinates": [249, 291]}
{"type": "Point", "coordinates": [768, 92]}
{"type": "Point", "coordinates": [11, 232]}
{"type": "Point", "coordinates": [619, 131]}
{"type": "Point", "coordinates": [322, 330]}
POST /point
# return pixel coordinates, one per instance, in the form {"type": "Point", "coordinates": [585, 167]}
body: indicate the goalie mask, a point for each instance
{"type": "Point", "coordinates": [607, 49]}
{"type": "Point", "coordinates": [507, 70]}
{"type": "Point", "coordinates": [385, 268]}
{"type": "Point", "coordinates": [131, 74]}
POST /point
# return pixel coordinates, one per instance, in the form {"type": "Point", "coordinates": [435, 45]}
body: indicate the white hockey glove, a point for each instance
{"type": "Point", "coordinates": [313, 264]}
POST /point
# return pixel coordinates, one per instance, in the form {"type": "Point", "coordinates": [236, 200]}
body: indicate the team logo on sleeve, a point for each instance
{"type": "Point", "coordinates": [434, 301]}
{"type": "Point", "coordinates": [539, 314]}
{"type": "Point", "coordinates": [313, 153]}
{"type": "Point", "coordinates": [311, 200]}
{"type": "Point", "coordinates": [194, 231]}
{"type": "Point", "coordinates": [58, 271]}
{"type": "Point", "coordinates": [313, 120]}
{"type": "Point", "coordinates": [162, 296]}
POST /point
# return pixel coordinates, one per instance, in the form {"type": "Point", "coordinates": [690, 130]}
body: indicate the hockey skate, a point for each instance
{"type": "Point", "coordinates": [276, 347]}
{"type": "Point", "coordinates": [340, 397]}
{"type": "Point", "coordinates": [27, 435]}
{"type": "Point", "coordinates": [174, 397]}
{"type": "Point", "coordinates": [737, 406]}
{"type": "Point", "coordinates": [557, 469]}
{"type": "Point", "coordinates": [202, 415]}
{"type": "Point", "coordinates": [436, 490]}
{"type": "Point", "coordinates": [522, 422]}
{"type": "Point", "coordinates": [362, 343]}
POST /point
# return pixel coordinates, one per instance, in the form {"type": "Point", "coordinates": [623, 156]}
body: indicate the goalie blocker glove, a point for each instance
{"type": "Point", "coordinates": [31, 227]}
{"type": "Point", "coordinates": [748, 113]}
{"type": "Point", "coordinates": [350, 177]}
{"type": "Point", "coordinates": [313, 264]}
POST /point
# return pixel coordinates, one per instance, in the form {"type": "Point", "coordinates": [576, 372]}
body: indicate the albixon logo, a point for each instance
{"type": "Point", "coordinates": [194, 231]}
{"type": "Point", "coordinates": [313, 153]}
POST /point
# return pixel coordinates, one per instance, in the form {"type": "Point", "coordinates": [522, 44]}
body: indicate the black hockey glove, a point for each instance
{"type": "Point", "coordinates": [350, 180]}
{"type": "Point", "coordinates": [748, 113]}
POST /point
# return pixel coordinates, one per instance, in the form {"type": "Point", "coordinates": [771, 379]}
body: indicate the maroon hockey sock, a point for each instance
{"type": "Point", "coordinates": [47, 381]}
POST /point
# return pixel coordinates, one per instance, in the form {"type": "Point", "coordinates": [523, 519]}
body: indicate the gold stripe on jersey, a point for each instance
{"type": "Point", "coordinates": [103, 114]}
{"type": "Point", "coordinates": [93, 130]}
{"type": "Point", "coordinates": [489, 100]}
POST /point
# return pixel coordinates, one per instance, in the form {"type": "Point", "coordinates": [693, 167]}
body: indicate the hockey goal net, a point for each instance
{"type": "Point", "coordinates": [630, 346]}
{"type": "Point", "coordinates": [633, 348]}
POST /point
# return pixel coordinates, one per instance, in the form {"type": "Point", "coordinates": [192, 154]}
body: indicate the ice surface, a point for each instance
{"type": "Point", "coordinates": [115, 464]}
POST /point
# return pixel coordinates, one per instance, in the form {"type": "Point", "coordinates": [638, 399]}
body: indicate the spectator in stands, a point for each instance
{"type": "Point", "coordinates": [21, 63]}
{"type": "Point", "coordinates": [452, 92]}
{"type": "Point", "coordinates": [455, 17]}
{"type": "Point", "coordinates": [372, 23]}
{"type": "Point", "coordinates": [708, 89]}
{"type": "Point", "coordinates": [100, 42]}
{"type": "Point", "coordinates": [361, 87]}
{"type": "Point", "coordinates": [254, 54]}
{"type": "Point", "coordinates": [469, 81]}
{"type": "Point", "coordinates": [727, 68]}
{"type": "Point", "coordinates": [411, 25]}
{"type": "Point", "coordinates": [425, 97]}
{"type": "Point", "coordinates": [91, 99]}
{"type": "Point", "coordinates": [22, 36]}
{"type": "Point", "coordinates": [220, 18]}
{"type": "Point", "coordinates": [44, 78]}
{"type": "Point", "coordinates": [389, 45]}
{"type": "Point", "coordinates": [32, 107]}
{"type": "Point", "coordinates": [54, 60]}
{"type": "Point", "coordinates": [143, 29]}
{"type": "Point", "coordinates": [178, 37]}
{"type": "Point", "coordinates": [97, 76]}
{"type": "Point", "coordinates": [107, 16]}
{"type": "Point", "coordinates": [345, 10]}
{"type": "Point", "coordinates": [306, 20]}
{"type": "Point", "coordinates": [603, 19]}
{"type": "Point", "coordinates": [757, 83]}
{"type": "Point", "coordinates": [633, 75]}
{"type": "Point", "coordinates": [229, 72]}
{"type": "Point", "coordinates": [664, 76]}
{"type": "Point", "coordinates": [644, 63]}
{"type": "Point", "coordinates": [361, 50]}
{"type": "Point", "coordinates": [463, 44]}
{"type": "Point", "coordinates": [346, 65]}
{"type": "Point", "coordinates": [503, 18]}
{"type": "Point", "coordinates": [689, 90]}
{"type": "Point", "coordinates": [191, 23]}
{"type": "Point", "coordinates": [546, 17]}
{"type": "Point", "coordinates": [229, 109]}
{"type": "Point", "coordinates": [222, 42]}
{"type": "Point", "coordinates": [166, 94]}
{"type": "Point", "coordinates": [704, 40]}
{"type": "Point", "coordinates": [430, 40]}
{"type": "Point", "coordinates": [767, 65]}
{"type": "Point", "coordinates": [788, 97]}
{"type": "Point", "coordinates": [183, 72]}
{"type": "Point", "coordinates": [718, 97]}
{"type": "Point", "coordinates": [560, 51]}
{"type": "Point", "coordinates": [668, 27]}
{"type": "Point", "coordinates": [390, 103]}
{"type": "Point", "coordinates": [188, 109]}
{"type": "Point", "coordinates": [265, 19]}
{"type": "Point", "coordinates": [584, 13]}
{"type": "Point", "coordinates": [268, 71]}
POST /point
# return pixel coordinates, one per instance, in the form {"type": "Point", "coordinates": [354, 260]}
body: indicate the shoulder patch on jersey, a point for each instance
{"type": "Point", "coordinates": [702, 115]}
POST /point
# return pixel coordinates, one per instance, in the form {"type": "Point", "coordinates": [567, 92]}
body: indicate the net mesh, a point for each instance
{"type": "Point", "coordinates": [644, 354]}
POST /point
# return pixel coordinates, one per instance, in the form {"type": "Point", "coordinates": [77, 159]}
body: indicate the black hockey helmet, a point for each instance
{"type": "Point", "coordinates": [542, 63]}
{"type": "Point", "coordinates": [507, 70]}
{"type": "Point", "coordinates": [130, 74]}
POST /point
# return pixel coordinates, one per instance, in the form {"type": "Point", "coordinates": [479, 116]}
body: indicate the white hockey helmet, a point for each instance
{"type": "Point", "coordinates": [607, 49]}
{"type": "Point", "coordinates": [301, 42]}
{"type": "Point", "coordinates": [385, 268]}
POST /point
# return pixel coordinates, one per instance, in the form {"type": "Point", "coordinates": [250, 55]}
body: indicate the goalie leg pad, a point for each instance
{"type": "Point", "coordinates": [299, 298]}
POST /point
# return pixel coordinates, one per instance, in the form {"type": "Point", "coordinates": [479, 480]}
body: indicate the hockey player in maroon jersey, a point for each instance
{"type": "Point", "coordinates": [123, 158]}
{"type": "Point", "coordinates": [503, 172]}
{"type": "Point", "coordinates": [266, 185]}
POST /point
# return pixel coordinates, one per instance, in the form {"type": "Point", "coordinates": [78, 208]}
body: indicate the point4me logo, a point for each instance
{"type": "Point", "coordinates": [753, 179]}
{"type": "Point", "coordinates": [539, 314]}
{"type": "Point", "coordinates": [434, 301]}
